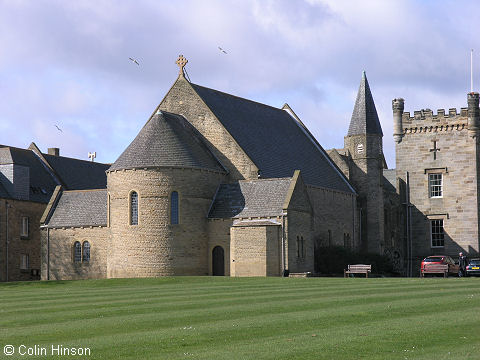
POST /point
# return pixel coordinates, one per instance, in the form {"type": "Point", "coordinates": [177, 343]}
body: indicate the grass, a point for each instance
{"type": "Point", "coordinates": [246, 318]}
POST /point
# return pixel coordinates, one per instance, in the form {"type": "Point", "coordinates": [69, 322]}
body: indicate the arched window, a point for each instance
{"type": "Point", "coordinates": [174, 208]}
{"type": "Point", "coordinates": [77, 252]}
{"type": "Point", "coordinates": [86, 251]}
{"type": "Point", "coordinates": [133, 208]}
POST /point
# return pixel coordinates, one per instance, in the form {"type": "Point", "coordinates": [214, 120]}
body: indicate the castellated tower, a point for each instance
{"type": "Point", "coordinates": [159, 193]}
{"type": "Point", "coordinates": [364, 143]}
{"type": "Point", "coordinates": [437, 159]}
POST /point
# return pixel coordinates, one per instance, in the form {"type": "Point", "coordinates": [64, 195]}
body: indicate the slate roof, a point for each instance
{"type": "Point", "coordinates": [80, 208]}
{"type": "Point", "coordinates": [390, 180]}
{"type": "Point", "coordinates": [42, 183]}
{"type": "Point", "coordinates": [167, 140]}
{"type": "Point", "coordinates": [3, 193]}
{"type": "Point", "coordinates": [364, 118]}
{"type": "Point", "coordinates": [75, 174]}
{"type": "Point", "coordinates": [250, 198]}
{"type": "Point", "coordinates": [79, 174]}
{"type": "Point", "coordinates": [273, 139]}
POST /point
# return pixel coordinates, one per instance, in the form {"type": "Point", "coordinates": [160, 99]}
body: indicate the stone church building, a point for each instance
{"type": "Point", "coordinates": [213, 184]}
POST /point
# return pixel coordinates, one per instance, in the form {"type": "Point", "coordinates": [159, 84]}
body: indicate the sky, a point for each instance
{"type": "Point", "coordinates": [66, 63]}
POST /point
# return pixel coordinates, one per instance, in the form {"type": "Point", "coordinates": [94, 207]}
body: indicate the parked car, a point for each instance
{"type": "Point", "coordinates": [440, 259]}
{"type": "Point", "coordinates": [473, 267]}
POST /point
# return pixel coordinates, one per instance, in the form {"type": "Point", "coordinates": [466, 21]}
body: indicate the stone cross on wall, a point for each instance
{"type": "Point", "coordinates": [181, 62]}
{"type": "Point", "coordinates": [435, 149]}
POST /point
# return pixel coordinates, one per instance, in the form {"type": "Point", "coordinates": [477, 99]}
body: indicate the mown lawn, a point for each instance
{"type": "Point", "coordinates": [246, 318]}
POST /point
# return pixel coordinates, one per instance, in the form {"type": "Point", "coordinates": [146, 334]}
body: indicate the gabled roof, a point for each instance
{"type": "Point", "coordinates": [276, 142]}
{"type": "Point", "coordinates": [3, 193]}
{"type": "Point", "coordinates": [78, 174]}
{"type": "Point", "coordinates": [364, 118]}
{"type": "Point", "coordinates": [42, 183]}
{"type": "Point", "coordinates": [250, 198]}
{"type": "Point", "coordinates": [48, 171]}
{"type": "Point", "coordinates": [167, 140]}
{"type": "Point", "coordinates": [390, 180]}
{"type": "Point", "coordinates": [80, 208]}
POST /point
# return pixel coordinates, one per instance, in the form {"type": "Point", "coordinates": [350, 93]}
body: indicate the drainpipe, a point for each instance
{"type": "Point", "coordinates": [283, 244]}
{"type": "Point", "coordinates": [354, 210]}
{"type": "Point", "coordinates": [48, 253]}
{"type": "Point", "coordinates": [7, 205]}
{"type": "Point", "coordinates": [408, 229]}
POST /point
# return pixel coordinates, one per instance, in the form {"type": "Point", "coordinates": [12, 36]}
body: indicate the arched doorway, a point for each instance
{"type": "Point", "coordinates": [218, 261]}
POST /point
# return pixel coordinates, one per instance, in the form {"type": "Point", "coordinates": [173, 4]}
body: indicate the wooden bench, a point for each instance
{"type": "Point", "coordinates": [435, 269]}
{"type": "Point", "coordinates": [357, 269]}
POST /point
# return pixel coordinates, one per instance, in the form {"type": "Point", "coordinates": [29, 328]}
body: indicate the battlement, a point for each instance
{"type": "Point", "coordinates": [426, 116]}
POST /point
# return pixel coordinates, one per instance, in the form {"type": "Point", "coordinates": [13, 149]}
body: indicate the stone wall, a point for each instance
{"type": "Point", "coordinates": [155, 247]}
{"type": "Point", "coordinates": [456, 158]}
{"type": "Point", "coordinates": [335, 216]}
{"type": "Point", "coordinates": [255, 250]}
{"type": "Point", "coordinates": [57, 253]}
{"type": "Point", "coordinates": [219, 235]}
{"type": "Point", "coordinates": [19, 245]}
{"type": "Point", "coordinates": [182, 99]}
{"type": "Point", "coordinates": [300, 242]}
{"type": "Point", "coordinates": [366, 175]}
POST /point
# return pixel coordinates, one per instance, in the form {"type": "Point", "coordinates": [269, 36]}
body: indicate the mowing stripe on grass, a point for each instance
{"type": "Point", "coordinates": [246, 318]}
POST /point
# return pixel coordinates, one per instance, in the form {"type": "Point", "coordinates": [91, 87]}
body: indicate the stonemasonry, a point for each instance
{"type": "Point", "coordinates": [57, 253]}
{"type": "Point", "coordinates": [182, 99]}
{"type": "Point", "coordinates": [440, 144]}
{"type": "Point", "coordinates": [219, 235]}
{"type": "Point", "coordinates": [19, 245]}
{"type": "Point", "coordinates": [255, 250]}
{"type": "Point", "coordinates": [155, 247]}
{"type": "Point", "coordinates": [366, 174]}
{"type": "Point", "coordinates": [334, 215]}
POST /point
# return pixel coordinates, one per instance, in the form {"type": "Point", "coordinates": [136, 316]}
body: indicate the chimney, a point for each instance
{"type": "Point", "coordinates": [54, 151]}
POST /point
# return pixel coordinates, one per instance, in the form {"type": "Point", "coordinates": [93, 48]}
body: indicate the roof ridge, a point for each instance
{"type": "Point", "coordinates": [239, 97]}
{"type": "Point", "coordinates": [266, 179]}
{"type": "Point", "coordinates": [72, 158]}
{"type": "Point", "coordinates": [83, 190]}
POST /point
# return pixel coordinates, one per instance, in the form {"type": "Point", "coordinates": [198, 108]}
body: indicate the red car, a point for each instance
{"type": "Point", "coordinates": [440, 259]}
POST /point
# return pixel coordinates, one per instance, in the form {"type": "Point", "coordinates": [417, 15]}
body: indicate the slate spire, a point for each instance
{"type": "Point", "coordinates": [364, 117]}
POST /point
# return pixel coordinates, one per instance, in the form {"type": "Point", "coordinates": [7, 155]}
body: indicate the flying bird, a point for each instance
{"type": "Point", "coordinates": [219, 48]}
{"type": "Point", "coordinates": [58, 128]}
{"type": "Point", "coordinates": [133, 60]}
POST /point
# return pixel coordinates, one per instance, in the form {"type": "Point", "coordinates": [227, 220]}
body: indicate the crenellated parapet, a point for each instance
{"type": "Point", "coordinates": [426, 120]}
{"type": "Point", "coordinates": [442, 116]}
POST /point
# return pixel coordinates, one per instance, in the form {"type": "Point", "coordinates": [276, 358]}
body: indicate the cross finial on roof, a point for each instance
{"type": "Point", "coordinates": [181, 62]}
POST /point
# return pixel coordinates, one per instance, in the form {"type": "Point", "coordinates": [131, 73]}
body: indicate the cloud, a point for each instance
{"type": "Point", "coordinates": [67, 62]}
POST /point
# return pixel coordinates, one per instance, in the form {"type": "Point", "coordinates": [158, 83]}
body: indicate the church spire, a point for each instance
{"type": "Point", "coordinates": [364, 117]}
